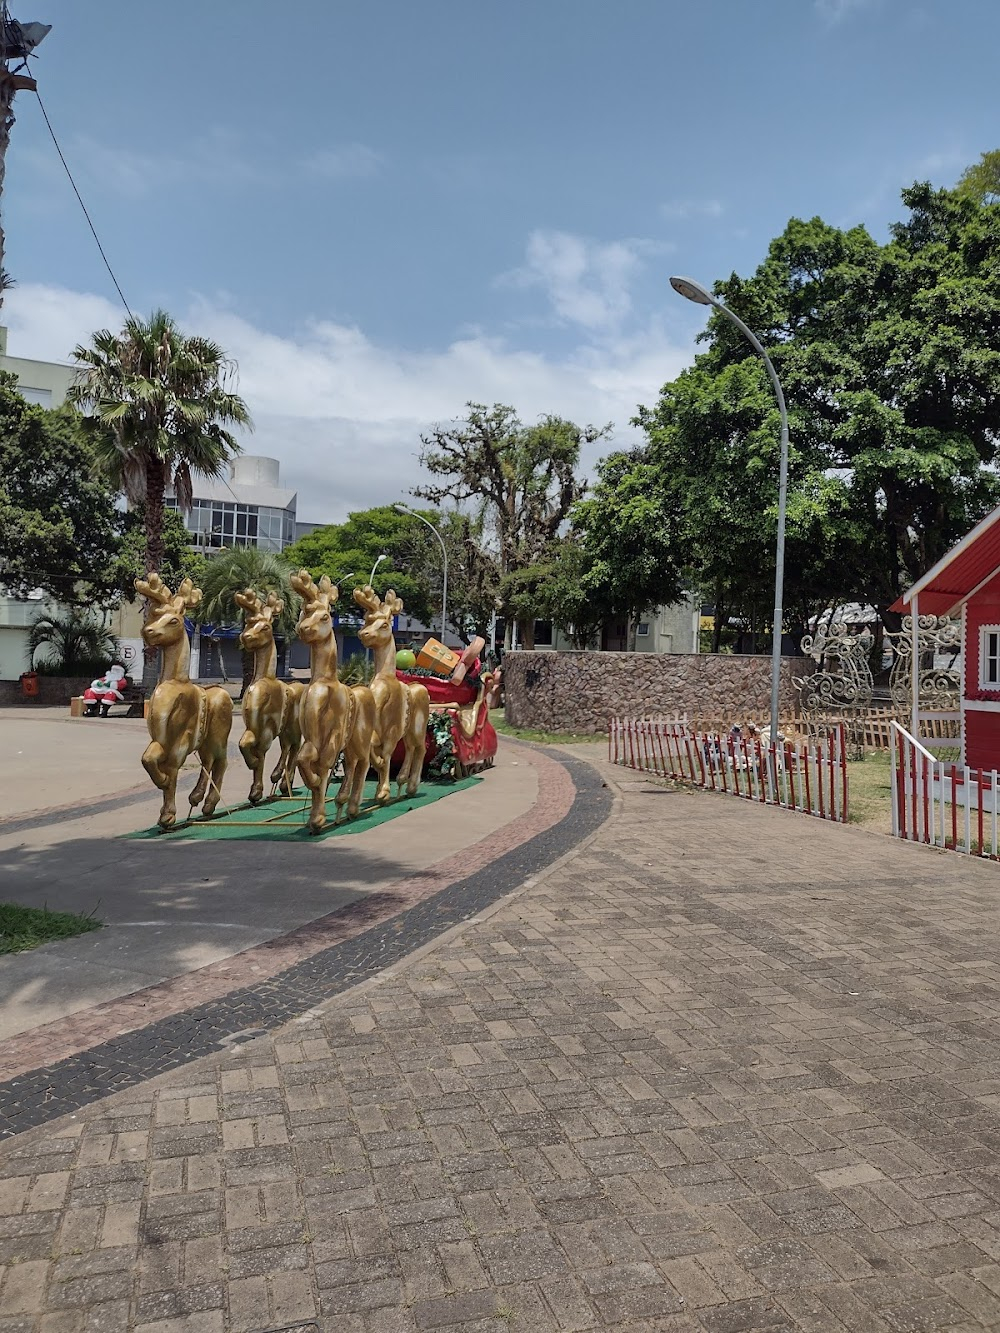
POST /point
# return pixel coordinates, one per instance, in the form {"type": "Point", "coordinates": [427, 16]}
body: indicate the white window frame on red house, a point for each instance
{"type": "Point", "coordinates": [986, 632]}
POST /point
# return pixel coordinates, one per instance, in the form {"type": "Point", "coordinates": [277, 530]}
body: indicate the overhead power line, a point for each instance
{"type": "Point", "coordinates": [90, 224]}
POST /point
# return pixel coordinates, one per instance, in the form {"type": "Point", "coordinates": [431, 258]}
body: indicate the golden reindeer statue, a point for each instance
{"type": "Point", "coordinates": [184, 718]}
{"type": "Point", "coordinates": [270, 706]}
{"type": "Point", "coordinates": [334, 717]}
{"type": "Point", "coordinates": [401, 709]}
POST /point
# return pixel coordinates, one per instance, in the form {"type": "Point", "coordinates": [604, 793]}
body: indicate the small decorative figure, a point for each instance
{"type": "Point", "coordinates": [334, 718]}
{"type": "Point", "coordinates": [470, 663]}
{"type": "Point", "coordinates": [184, 718]}
{"type": "Point", "coordinates": [100, 694]}
{"type": "Point", "coordinates": [270, 706]}
{"type": "Point", "coordinates": [402, 708]}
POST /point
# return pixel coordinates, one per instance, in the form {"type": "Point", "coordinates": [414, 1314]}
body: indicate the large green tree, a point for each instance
{"type": "Point", "coordinates": [348, 551]}
{"type": "Point", "coordinates": [890, 359]}
{"type": "Point", "coordinates": [627, 531]}
{"type": "Point", "coordinates": [160, 405]}
{"type": "Point", "coordinates": [59, 523]}
{"type": "Point", "coordinates": [521, 480]}
{"type": "Point", "coordinates": [414, 565]}
{"type": "Point", "coordinates": [179, 560]}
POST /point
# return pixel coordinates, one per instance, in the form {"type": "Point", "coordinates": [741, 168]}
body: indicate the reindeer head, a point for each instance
{"type": "Point", "coordinates": [377, 629]}
{"type": "Point", "coordinates": [166, 619]}
{"type": "Point", "coordinates": [315, 619]}
{"type": "Point", "coordinates": [258, 631]}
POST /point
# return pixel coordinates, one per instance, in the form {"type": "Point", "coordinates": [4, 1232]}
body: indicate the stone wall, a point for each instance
{"type": "Point", "coordinates": [51, 690]}
{"type": "Point", "coordinates": [579, 691]}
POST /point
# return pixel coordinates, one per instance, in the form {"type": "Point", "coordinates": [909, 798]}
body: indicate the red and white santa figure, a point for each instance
{"type": "Point", "coordinates": [100, 694]}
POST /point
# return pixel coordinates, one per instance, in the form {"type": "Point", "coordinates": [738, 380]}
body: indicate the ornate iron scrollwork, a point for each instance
{"type": "Point", "coordinates": [940, 687]}
{"type": "Point", "coordinates": [844, 679]}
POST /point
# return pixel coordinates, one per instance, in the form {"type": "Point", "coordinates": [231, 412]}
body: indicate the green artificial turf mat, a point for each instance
{"type": "Point", "coordinates": [284, 820]}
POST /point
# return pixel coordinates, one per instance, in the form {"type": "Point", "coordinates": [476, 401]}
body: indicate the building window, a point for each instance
{"type": "Point", "coordinates": [40, 397]}
{"type": "Point", "coordinates": [642, 629]}
{"type": "Point", "coordinates": [989, 657]}
{"type": "Point", "coordinates": [543, 633]}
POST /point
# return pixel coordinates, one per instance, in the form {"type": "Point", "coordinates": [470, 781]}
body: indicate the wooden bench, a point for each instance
{"type": "Point", "coordinates": [133, 698]}
{"type": "Point", "coordinates": [133, 701]}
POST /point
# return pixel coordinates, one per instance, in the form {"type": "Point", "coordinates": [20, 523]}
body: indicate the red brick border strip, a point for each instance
{"type": "Point", "coordinates": [64, 1037]}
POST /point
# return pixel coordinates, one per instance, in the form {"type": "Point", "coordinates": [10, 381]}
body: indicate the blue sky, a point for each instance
{"type": "Point", "coordinates": [385, 209]}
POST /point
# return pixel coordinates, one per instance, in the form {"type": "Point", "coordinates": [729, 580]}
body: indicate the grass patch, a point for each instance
{"type": "Point", "coordinates": [26, 927]}
{"type": "Point", "coordinates": [869, 793]}
{"type": "Point", "coordinates": [498, 718]}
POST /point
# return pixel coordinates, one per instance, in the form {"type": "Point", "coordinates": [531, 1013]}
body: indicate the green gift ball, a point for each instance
{"type": "Point", "coordinates": [405, 660]}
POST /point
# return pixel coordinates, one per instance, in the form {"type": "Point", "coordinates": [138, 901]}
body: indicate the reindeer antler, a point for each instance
{"type": "Point", "coordinates": [155, 589]}
{"type": "Point", "coordinates": [392, 604]}
{"type": "Point", "coordinates": [367, 599]}
{"type": "Point", "coordinates": [188, 596]}
{"type": "Point", "coordinates": [303, 584]}
{"type": "Point", "coordinates": [312, 592]}
{"type": "Point", "coordinates": [275, 603]}
{"type": "Point", "coordinates": [249, 601]}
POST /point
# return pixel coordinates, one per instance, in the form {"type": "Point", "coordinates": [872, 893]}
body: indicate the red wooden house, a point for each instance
{"type": "Point", "coordinates": [966, 581]}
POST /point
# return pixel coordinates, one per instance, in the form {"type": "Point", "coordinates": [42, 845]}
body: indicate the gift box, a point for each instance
{"type": "Point", "coordinates": [434, 656]}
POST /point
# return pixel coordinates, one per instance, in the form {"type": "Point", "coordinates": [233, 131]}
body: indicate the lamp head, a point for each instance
{"type": "Point", "coordinates": [694, 291]}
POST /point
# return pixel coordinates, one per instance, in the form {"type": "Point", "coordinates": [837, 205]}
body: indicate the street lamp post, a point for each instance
{"type": "Point", "coordinates": [694, 291]}
{"type": "Point", "coordinates": [405, 509]}
{"type": "Point", "coordinates": [371, 578]}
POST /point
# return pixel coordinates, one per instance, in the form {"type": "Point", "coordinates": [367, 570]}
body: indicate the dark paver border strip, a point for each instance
{"type": "Point", "coordinates": [42, 1095]}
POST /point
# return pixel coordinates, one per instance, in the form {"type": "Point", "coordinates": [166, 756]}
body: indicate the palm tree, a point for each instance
{"type": "Point", "coordinates": [240, 567]}
{"type": "Point", "coordinates": [158, 404]}
{"type": "Point", "coordinates": [78, 643]}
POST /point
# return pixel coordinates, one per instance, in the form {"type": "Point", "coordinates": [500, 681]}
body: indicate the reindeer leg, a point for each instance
{"type": "Point", "coordinates": [217, 763]}
{"type": "Point", "coordinates": [344, 790]}
{"type": "Point", "coordinates": [152, 761]}
{"type": "Point", "coordinates": [168, 810]}
{"type": "Point", "coordinates": [201, 786]}
{"type": "Point", "coordinates": [317, 814]}
{"type": "Point", "coordinates": [250, 749]}
{"type": "Point", "coordinates": [415, 748]}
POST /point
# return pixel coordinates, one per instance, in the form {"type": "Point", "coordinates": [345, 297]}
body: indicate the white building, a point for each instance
{"type": "Point", "coordinates": [43, 382]}
{"type": "Point", "coordinates": [251, 508]}
{"type": "Point", "coordinates": [665, 629]}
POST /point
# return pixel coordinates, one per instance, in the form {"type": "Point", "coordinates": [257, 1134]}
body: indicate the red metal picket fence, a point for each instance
{"type": "Point", "coordinates": [808, 776]}
{"type": "Point", "coordinates": [944, 804]}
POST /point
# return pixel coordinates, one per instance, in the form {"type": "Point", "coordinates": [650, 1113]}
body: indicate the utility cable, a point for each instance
{"type": "Point", "coordinates": [90, 224]}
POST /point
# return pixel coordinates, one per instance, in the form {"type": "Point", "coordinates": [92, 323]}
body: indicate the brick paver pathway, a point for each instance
{"type": "Point", "coordinates": [722, 1069]}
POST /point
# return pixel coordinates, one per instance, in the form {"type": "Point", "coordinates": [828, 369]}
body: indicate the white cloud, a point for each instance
{"type": "Point", "coordinates": [682, 209]}
{"type": "Point", "coordinates": [344, 414]}
{"type": "Point", "coordinates": [345, 162]}
{"type": "Point", "coordinates": [587, 282]}
{"type": "Point", "coordinates": [835, 11]}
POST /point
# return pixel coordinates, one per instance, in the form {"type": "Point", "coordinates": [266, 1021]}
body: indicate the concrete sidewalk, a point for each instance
{"type": "Point", "coordinates": [173, 907]}
{"type": "Point", "coordinates": [723, 1068]}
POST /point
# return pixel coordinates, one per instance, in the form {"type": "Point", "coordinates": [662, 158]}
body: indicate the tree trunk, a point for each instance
{"type": "Point", "coordinates": [247, 671]}
{"type": "Point", "coordinates": [717, 627]}
{"type": "Point", "coordinates": [526, 633]}
{"type": "Point", "coordinates": [154, 555]}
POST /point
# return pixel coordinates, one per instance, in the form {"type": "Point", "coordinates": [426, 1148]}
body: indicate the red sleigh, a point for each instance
{"type": "Point", "coordinates": [473, 739]}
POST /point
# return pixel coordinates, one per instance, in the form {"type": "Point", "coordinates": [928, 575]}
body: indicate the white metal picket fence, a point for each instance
{"type": "Point", "coordinates": [941, 803]}
{"type": "Point", "coordinates": [810, 777]}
